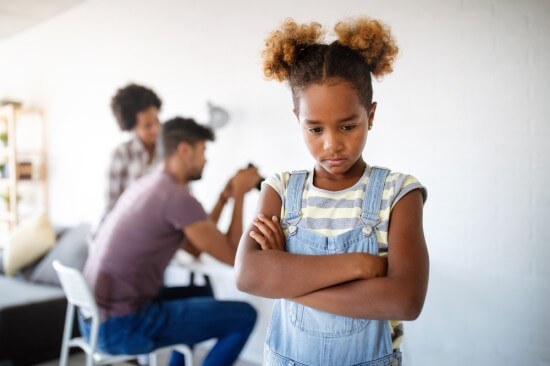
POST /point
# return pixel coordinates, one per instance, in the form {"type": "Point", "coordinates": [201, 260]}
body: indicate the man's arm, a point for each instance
{"type": "Point", "coordinates": [220, 204]}
{"type": "Point", "coordinates": [279, 274]}
{"type": "Point", "coordinates": [204, 234]}
{"type": "Point", "coordinates": [206, 237]}
{"type": "Point", "coordinates": [215, 214]}
{"type": "Point", "coordinates": [190, 248]}
{"type": "Point", "coordinates": [399, 295]}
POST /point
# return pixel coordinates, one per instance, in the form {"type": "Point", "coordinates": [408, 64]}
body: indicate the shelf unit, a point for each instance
{"type": "Point", "coordinates": [23, 175]}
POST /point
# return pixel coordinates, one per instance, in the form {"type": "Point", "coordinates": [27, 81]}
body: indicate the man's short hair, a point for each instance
{"type": "Point", "coordinates": [179, 129]}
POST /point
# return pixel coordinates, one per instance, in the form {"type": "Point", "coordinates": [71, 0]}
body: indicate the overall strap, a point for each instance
{"type": "Point", "coordinates": [293, 199]}
{"type": "Point", "coordinates": [373, 199]}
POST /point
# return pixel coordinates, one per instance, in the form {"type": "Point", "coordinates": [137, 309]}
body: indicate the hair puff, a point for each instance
{"type": "Point", "coordinates": [283, 45]}
{"type": "Point", "coordinates": [372, 40]}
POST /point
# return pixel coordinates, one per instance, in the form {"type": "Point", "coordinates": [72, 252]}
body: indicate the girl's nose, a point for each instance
{"type": "Point", "coordinates": [332, 142]}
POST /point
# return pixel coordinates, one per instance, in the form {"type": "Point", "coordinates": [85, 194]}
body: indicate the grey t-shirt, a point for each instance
{"type": "Point", "coordinates": [137, 240]}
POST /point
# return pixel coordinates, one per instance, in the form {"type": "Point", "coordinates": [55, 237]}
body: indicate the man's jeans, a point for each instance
{"type": "Point", "coordinates": [186, 321]}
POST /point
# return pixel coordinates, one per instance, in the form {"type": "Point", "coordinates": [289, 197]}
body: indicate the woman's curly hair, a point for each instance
{"type": "Point", "coordinates": [130, 100]}
{"type": "Point", "coordinates": [296, 52]}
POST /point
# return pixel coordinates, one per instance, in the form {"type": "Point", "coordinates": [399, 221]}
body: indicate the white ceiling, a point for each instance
{"type": "Point", "coordinates": [18, 15]}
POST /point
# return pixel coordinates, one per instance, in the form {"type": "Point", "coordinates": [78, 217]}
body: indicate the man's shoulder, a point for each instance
{"type": "Point", "coordinates": [156, 188]}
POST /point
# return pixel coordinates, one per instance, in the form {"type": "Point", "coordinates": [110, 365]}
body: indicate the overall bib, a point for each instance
{"type": "Point", "coordinates": [299, 335]}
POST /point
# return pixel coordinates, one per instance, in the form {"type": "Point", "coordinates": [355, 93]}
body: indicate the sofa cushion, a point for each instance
{"type": "Point", "coordinates": [23, 292]}
{"type": "Point", "coordinates": [30, 240]}
{"type": "Point", "coordinates": [71, 249]}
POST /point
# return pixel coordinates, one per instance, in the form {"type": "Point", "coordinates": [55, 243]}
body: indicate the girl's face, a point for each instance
{"type": "Point", "coordinates": [147, 126]}
{"type": "Point", "coordinates": [334, 125]}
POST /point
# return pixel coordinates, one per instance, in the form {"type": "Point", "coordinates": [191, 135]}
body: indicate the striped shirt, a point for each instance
{"type": "Point", "coordinates": [330, 213]}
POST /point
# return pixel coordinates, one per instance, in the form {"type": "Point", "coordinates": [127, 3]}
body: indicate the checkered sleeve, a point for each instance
{"type": "Point", "coordinates": [118, 174]}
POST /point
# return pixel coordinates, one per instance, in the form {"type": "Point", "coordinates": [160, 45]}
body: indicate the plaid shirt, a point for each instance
{"type": "Point", "coordinates": [129, 162]}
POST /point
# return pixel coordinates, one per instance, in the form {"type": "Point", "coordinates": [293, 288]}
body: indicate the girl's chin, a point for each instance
{"type": "Point", "coordinates": [335, 169]}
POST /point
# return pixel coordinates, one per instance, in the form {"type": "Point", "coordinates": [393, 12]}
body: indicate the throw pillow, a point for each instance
{"type": "Point", "coordinates": [71, 250]}
{"type": "Point", "coordinates": [30, 240]}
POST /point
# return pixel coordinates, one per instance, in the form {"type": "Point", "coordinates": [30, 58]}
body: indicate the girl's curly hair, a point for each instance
{"type": "Point", "coordinates": [296, 52]}
{"type": "Point", "coordinates": [283, 44]}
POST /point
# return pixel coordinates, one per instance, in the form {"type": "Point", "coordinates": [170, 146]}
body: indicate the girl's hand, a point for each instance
{"type": "Point", "coordinates": [373, 266]}
{"type": "Point", "coordinates": [270, 233]}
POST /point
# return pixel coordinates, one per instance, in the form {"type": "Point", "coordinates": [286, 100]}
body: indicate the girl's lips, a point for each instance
{"type": "Point", "coordinates": [335, 162]}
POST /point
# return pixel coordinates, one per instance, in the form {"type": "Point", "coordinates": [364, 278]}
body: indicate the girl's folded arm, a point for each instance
{"type": "Point", "coordinates": [398, 296]}
{"type": "Point", "coordinates": [278, 274]}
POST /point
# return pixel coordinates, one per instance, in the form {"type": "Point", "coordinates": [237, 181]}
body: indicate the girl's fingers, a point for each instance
{"type": "Point", "coordinates": [267, 241]}
{"type": "Point", "coordinates": [260, 239]}
{"type": "Point", "coordinates": [279, 229]}
{"type": "Point", "coordinates": [271, 232]}
{"type": "Point", "coordinates": [274, 226]}
{"type": "Point", "coordinates": [264, 229]}
{"type": "Point", "coordinates": [270, 224]}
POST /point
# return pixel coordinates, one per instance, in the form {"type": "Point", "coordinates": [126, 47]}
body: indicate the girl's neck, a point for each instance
{"type": "Point", "coordinates": [337, 182]}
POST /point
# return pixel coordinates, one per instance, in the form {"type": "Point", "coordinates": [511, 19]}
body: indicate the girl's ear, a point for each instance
{"type": "Point", "coordinates": [372, 111]}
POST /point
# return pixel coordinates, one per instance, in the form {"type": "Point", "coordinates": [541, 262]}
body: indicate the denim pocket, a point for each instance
{"type": "Point", "coordinates": [322, 324]}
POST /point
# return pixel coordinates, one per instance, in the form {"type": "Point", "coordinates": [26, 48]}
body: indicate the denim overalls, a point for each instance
{"type": "Point", "coordinates": [299, 335]}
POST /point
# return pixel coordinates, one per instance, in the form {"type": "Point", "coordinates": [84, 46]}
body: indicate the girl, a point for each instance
{"type": "Point", "coordinates": [347, 256]}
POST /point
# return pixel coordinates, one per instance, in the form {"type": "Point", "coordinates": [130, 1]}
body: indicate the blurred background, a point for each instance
{"type": "Point", "coordinates": [466, 112]}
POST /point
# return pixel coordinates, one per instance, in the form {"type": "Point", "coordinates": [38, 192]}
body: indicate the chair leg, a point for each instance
{"type": "Point", "coordinates": [89, 359]}
{"type": "Point", "coordinates": [185, 350]}
{"type": "Point", "coordinates": [67, 333]}
{"type": "Point", "coordinates": [153, 359]}
{"type": "Point", "coordinates": [92, 342]}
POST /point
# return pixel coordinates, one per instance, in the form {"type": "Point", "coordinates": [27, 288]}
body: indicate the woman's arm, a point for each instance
{"type": "Point", "coordinates": [278, 274]}
{"type": "Point", "coordinates": [400, 295]}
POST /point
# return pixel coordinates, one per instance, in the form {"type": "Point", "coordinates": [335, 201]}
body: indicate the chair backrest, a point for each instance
{"type": "Point", "coordinates": [76, 289]}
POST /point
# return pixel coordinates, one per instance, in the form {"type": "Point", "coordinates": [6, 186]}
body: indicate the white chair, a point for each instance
{"type": "Point", "coordinates": [80, 297]}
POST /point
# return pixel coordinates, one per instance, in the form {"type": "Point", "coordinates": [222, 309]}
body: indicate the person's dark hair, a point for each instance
{"type": "Point", "coordinates": [295, 52]}
{"type": "Point", "coordinates": [179, 129]}
{"type": "Point", "coordinates": [129, 101]}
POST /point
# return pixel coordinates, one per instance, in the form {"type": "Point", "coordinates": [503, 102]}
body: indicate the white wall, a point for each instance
{"type": "Point", "coordinates": [465, 111]}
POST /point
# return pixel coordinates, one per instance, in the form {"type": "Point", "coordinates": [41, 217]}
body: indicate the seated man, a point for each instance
{"type": "Point", "coordinates": [137, 241]}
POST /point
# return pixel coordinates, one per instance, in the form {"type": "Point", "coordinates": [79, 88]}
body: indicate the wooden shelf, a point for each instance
{"type": "Point", "coordinates": [7, 216]}
{"type": "Point", "coordinates": [22, 153]}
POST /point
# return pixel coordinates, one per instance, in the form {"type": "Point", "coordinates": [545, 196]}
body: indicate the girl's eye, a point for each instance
{"type": "Point", "coordinates": [348, 127]}
{"type": "Point", "coordinates": [315, 130]}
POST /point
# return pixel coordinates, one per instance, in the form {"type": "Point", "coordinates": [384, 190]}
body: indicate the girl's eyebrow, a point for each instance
{"type": "Point", "coordinates": [347, 119]}
{"type": "Point", "coordinates": [341, 120]}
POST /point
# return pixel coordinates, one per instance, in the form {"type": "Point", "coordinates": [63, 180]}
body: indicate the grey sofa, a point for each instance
{"type": "Point", "coordinates": [32, 303]}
